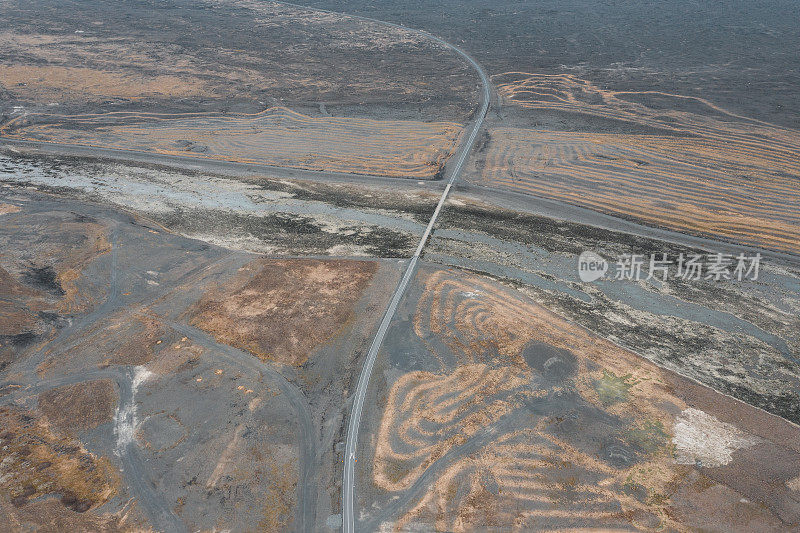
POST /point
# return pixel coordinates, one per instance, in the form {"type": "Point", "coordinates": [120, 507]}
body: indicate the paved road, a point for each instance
{"type": "Point", "coordinates": [348, 481]}
{"type": "Point", "coordinates": [506, 199]}
{"type": "Point", "coordinates": [306, 489]}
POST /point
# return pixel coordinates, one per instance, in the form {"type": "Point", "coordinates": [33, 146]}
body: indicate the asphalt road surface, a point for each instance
{"type": "Point", "coordinates": [348, 481]}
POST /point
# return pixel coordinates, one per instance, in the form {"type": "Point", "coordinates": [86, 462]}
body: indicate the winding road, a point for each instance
{"type": "Point", "coordinates": [348, 478]}
{"type": "Point", "coordinates": [136, 476]}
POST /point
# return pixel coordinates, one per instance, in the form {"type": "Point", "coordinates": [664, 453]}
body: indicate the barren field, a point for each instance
{"type": "Point", "coordinates": [119, 414]}
{"type": "Point", "coordinates": [694, 167]}
{"type": "Point", "coordinates": [519, 395]}
{"type": "Point", "coordinates": [277, 136]}
{"type": "Point", "coordinates": [64, 58]}
{"type": "Point", "coordinates": [204, 240]}
{"type": "Point", "coordinates": [38, 462]}
{"type": "Point", "coordinates": [738, 55]}
{"type": "Point", "coordinates": [282, 310]}
{"type": "Point", "coordinates": [341, 97]}
{"type": "Point", "coordinates": [79, 407]}
{"type": "Point", "coordinates": [521, 418]}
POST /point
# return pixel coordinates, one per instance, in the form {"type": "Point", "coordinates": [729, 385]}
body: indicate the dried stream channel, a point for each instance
{"type": "Point", "coordinates": [738, 337]}
{"type": "Point", "coordinates": [256, 215]}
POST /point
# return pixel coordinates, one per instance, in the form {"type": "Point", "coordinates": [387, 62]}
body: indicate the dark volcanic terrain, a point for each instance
{"type": "Point", "coordinates": [207, 208]}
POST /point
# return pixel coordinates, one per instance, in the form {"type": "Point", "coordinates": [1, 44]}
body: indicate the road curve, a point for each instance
{"type": "Point", "coordinates": [307, 439]}
{"type": "Point", "coordinates": [348, 477]}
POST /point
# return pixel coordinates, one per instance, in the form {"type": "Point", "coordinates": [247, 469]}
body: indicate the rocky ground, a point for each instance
{"type": "Point", "coordinates": [499, 289]}
{"type": "Point", "coordinates": [197, 246]}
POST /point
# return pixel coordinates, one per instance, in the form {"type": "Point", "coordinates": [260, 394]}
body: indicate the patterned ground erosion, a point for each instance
{"type": "Point", "coordinates": [277, 136]}
{"type": "Point", "coordinates": [281, 309]}
{"type": "Point", "coordinates": [537, 423]}
{"type": "Point", "coordinates": [699, 168]}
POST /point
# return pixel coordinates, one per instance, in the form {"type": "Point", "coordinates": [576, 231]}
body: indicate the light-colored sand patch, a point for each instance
{"type": "Point", "coordinates": [6, 209]}
{"type": "Point", "coordinates": [702, 439]}
{"type": "Point", "coordinates": [126, 421]}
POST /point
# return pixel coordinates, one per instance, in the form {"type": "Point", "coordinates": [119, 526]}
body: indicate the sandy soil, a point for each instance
{"type": "Point", "coordinates": [282, 310]}
{"type": "Point", "coordinates": [695, 167]}
{"type": "Point", "coordinates": [531, 421]}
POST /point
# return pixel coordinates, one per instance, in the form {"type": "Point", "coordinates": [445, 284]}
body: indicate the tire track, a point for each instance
{"type": "Point", "coordinates": [308, 438]}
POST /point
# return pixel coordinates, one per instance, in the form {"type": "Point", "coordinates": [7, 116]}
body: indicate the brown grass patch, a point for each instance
{"type": "Point", "coordinates": [38, 462]}
{"type": "Point", "coordinates": [129, 338]}
{"type": "Point", "coordinates": [19, 307]}
{"type": "Point", "coordinates": [282, 310]}
{"type": "Point", "coordinates": [80, 406]}
{"type": "Point", "coordinates": [280, 500]}
{"type": "Point", "coordinates": [277, 136]}
{"type": "Point", "coordinates": [9, 287]}
{"type": "Point", "coordinates": [6, 209]}
{"type": "Point", "coordinates": [15, 321]}
{"type": "Point", "coordinates": [712, 173]}
{"type": "Point", "coordinates": [51, 516]}
{"type": "Point", "coordinates": [592, 462]}
{"type": "Point", "coordinates": [56, 82]}
{"type": "Point", "coordinates": [134, 342]}
{"type": "Point", "coordinates": [175, 357]}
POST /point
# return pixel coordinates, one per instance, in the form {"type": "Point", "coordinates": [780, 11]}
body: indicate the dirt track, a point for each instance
{"type": "Point", "coordinates": [507, 391]}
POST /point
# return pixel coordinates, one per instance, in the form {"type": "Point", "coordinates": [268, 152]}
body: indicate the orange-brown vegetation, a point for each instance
{"type": "Point", "coordinates": [131, 340]}
{"type": "Point", "coordinates": [282, 309]}
{"type": "Point", "coordinates": [184, 98]}
{"type": "Point", "coordinates": [19, 314]}
{"type": "Point", "coordinates": [175, 357]}
{"type": "Point", "coordinates": [47, 66]}
{"type": "Point", "coordinates": [38, 461]}
{"type": "Point", "coordinates": [81, 406]}
{"type": "Point", "coordinates": [56, 83]}
{"type": "Point", "coordinates": [16, 315]}
{"type": "Point", "coordinates": [701, 169]}
{"type": "Point", "coordinates": [278, 136]}
{"type": "Point", "coordinates": [6, 209]}
{"type": "Point", "coordinates": [128, 338]}
{"type": "Point", "coordinates": [280, 498]}
{"type": "Point", "coordinates": [543, 467]}
{"type": "Point", "coordinates": [50, 515]}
